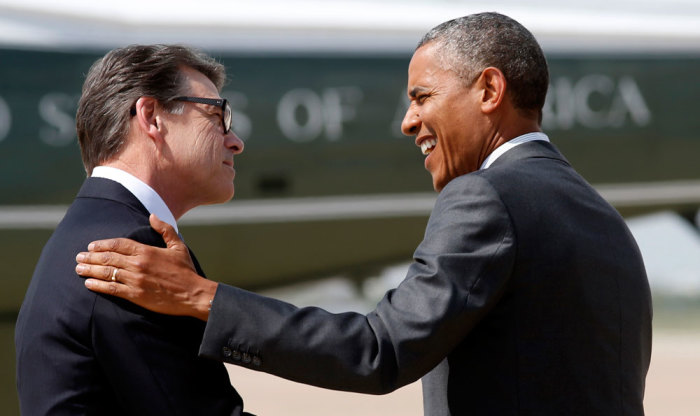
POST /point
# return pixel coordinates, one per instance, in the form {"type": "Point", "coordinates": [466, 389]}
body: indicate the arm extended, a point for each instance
{"type": "Point", "coordinates": [459, 272]}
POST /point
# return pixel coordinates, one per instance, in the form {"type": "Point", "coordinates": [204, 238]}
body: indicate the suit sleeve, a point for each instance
{"type": "Point", "coordinates": [151, 361]}
{"type": "Point", "coordinates": [459, 272]}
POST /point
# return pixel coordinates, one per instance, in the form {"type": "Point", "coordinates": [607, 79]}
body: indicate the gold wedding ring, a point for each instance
{"type": "Point", "coordinates": [114, 274]}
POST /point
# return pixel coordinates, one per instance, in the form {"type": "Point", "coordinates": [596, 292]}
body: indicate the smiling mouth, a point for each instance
{"type": "Point", "coordinates": [428, 145]}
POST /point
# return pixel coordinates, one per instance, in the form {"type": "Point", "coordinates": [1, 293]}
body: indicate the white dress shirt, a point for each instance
{"type": "Point", "coordinates": [500, 150]}
{"type": "Point", "coordinates": [144, 193]}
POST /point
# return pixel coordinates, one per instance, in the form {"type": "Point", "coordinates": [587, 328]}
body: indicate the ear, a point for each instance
{"type": "Point", "coordinates": [147, 117]}
{"type": "Point", "coordinates": [493, 84]}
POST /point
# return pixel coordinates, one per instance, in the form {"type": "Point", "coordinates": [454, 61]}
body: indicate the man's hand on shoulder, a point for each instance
{"type": "Point", "coordinates": [162, 280]}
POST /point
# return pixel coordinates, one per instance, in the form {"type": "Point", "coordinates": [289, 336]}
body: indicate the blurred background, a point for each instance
{"type": "Point", "coordinates": [331, 200]}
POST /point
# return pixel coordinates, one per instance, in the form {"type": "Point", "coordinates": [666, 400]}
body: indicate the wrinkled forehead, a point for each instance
{"type": "Point", "coordinates": [423, 59]}
{"type": "Point", "coordinates": [196, 83]}
{"type": "Point", "coordinates": [426, 66]}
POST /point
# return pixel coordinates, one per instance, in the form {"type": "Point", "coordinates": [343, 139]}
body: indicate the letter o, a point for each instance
{"type": "Point", "coordinates": [5, 119]}
{"type": "Point", "coordinates": [300, 98]}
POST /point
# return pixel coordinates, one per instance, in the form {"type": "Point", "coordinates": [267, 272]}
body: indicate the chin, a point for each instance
{"type": "Point", "coordinates": [223, 196]}
{"type": "Point", "coordinates": [438, 183]}
{"type": "Point", "coordinates": [228, 197]}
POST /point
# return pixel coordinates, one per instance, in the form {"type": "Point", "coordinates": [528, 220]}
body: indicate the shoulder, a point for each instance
{"type": "Point", "coordinates": [146, 235]}
{"type": "Point", "coordinates": [472, 192]}
{"type": "Point", "coordinates": [468, 208]}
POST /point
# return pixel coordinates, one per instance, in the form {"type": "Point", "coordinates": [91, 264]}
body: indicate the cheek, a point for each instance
{"type": "Point", "coordinates": [204, 149]}
{"type": "Point", "coordinates": [448, 145]}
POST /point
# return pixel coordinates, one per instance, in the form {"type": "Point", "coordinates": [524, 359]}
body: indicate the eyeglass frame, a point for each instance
{"type": "Point", "coordinates": [226, 114]}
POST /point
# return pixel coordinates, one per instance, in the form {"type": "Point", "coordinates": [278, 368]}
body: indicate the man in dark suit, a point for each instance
{"type": "Point", "coordinates": [150, 145]}
{"type": "Point", "coordinates": [527, 295]}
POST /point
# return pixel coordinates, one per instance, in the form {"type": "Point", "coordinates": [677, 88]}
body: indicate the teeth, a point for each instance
{"type": "Point", "coordinates": [427, 146]}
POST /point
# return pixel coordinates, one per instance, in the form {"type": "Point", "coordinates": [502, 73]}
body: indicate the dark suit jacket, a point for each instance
{"type": "Point", "coordinates": [527, 296]}
{"type": "Point", "coordinates": [82, 353]}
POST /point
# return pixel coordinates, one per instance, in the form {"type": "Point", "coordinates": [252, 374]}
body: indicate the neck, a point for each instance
{"type": "Point", "coordinates": [148, 170]}
{"type": "Point", "coordinates": [510, 126]}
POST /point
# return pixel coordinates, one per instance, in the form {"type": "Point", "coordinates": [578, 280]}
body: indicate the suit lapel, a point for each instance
{"type": "Point", "coordinates": [197, 267]}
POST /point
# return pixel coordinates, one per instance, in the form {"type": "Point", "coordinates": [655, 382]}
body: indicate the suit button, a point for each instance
{"type": "Point", "coordinates": [256, 361]}
{"type": "Point", "coordinates": [246, 358]}
{"type": "Point", "coordinates": [236, 355]}
{"type": "Point", "coordinates": [226, 351]}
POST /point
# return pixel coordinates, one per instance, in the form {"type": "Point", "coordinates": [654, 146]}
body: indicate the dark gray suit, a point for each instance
{"type": "Point", "coordinates": [527, 296]}
{"type": "Point", "coordinates": [83, 353]}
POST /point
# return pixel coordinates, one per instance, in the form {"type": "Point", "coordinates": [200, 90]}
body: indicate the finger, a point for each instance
{"type": "Point", "coordinates": [103, 273]}
{"type": "Point", "coordinates": [108, 288]}
{"type": "Point", "coordinates": [166, 230]}
{"type": "Point", "coordinates": [117, 245]}
{"type": "Point", "coordinates": [103, 259]}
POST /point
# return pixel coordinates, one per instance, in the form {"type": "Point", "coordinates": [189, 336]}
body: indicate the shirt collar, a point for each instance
{"type": "Point", "coordinates": [144, 193]}
{"type": "Point", "coordinates": [500, 150]}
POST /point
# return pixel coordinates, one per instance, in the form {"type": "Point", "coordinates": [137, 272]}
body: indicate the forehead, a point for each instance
{"type": "Point", "coordinates": [198, 84]}
{"type": "Point", "coordinates": [425, 70]}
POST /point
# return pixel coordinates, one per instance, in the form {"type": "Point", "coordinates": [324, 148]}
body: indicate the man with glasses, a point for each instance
{"type": "Point", "coordinates": [156, 139]}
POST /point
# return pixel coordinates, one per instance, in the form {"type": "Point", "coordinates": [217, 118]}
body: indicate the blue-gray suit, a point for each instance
{"type": "Point", "coordinates": [83, 353]}
{"type": "Point", "coordinates": [527, 296]}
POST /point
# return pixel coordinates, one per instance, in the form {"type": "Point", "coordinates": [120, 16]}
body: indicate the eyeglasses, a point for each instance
{"type": "Point", "coordinates": [218, 102]}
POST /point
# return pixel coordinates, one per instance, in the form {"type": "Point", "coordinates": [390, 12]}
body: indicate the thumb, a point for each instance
{"type": "Point", "coordinates": [166, 230]}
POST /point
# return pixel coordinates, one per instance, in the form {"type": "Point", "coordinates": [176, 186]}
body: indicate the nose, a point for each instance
{"type": "Point", "coordinates": [233, 143]}
{"type": "Point", "coordinates": [411, 122]}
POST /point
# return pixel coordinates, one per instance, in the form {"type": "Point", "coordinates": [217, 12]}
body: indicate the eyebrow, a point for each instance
{"type": "Point", "coordinates": [413, 93]}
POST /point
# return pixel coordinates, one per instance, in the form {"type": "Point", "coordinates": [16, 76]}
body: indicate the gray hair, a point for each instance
{"type": "Point", "coordinates": [116, 81]}
{"type": "Point", "coordinates": [470, 44]}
